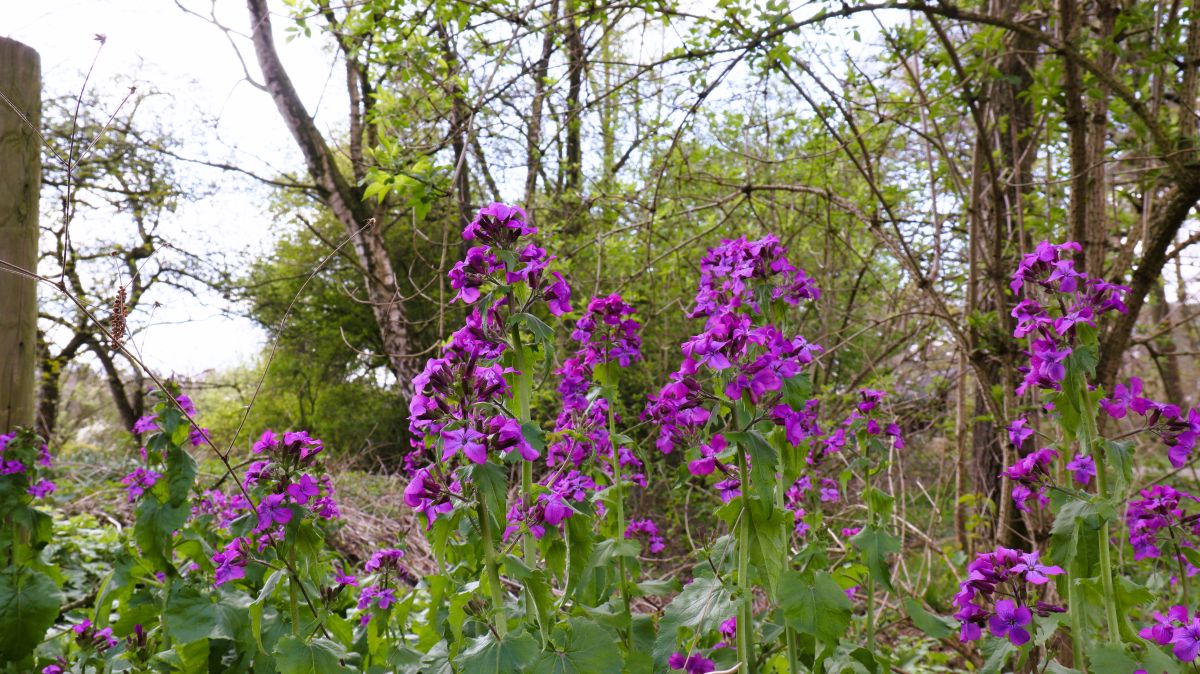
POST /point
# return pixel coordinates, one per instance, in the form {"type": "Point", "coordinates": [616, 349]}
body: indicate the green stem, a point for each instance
{"type": "Point", "coordinates": [870, 579]}
{"type": "Point", "coordinates": [524, 381]}
{"type": "Point", "coordinates": [489, 565]}
{"type": "Point", "coordinates": [789, 634]}
{"type": "Point", "coordinates": [1076, 609]}
{"type": "Point", "coordinates": [745, 644]}
{"type": "Point", "coordinates": [1087, 436]}
{"type": "Point", "coordinates": [618, 494]}
{"type": "Point", "coordinates": [293, 595]}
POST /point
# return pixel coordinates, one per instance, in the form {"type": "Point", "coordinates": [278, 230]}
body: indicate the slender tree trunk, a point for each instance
{"type": "Point", "coordinates": [20, 181]}
{"type": "Point", "coordinates": [342, 198]}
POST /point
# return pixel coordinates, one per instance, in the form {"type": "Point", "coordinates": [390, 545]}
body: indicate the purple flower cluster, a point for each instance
{"type": "Point", "coordinates": [1158, 512]}
{"type": "Point", "coordinates": [138, 481]}
{"type": "Point", "coordinates": [1179, 433]}
{"type": "Point", "coordinates": [430, 491]}
{"type": "Point", "coordinates": [731, 273]}
{"type": "Point", "coordinates": [231, 561]}
{"type": "Point", "coordinates": [690, 664]}
{"type": "Point", "coordinates": [607, 334]}
{"type": "Point", "coordinates": [224, 508]}
{"type": "Point", "coordinates": [88, 637]}
{"type": "Point", "coordinates": [752, 359]}
{"type": "Point", "coordinates": [1031, 477]}
{"type": "Point", "coordinates": [647, 528]}
{"type": "Point", "coordinates": [386, 566]}
{"type": "Point", "coordinates": [499, 228]}
{"type": "Point", "coordinates": [1175, 629]}
{"type": "Point", "coordinates": [1081, 299]}
{"type": "Point", "coordinates": [567, 492]}
{"type": "Point", "coordinates": [1006, 573]}
{"type": "Point", "coordinates": [21, 461]}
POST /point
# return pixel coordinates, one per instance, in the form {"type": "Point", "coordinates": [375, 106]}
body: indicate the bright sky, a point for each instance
{"type": "Point", "coordinates": [155, 45]}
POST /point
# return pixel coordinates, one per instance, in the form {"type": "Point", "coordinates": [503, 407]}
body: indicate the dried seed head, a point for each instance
{"type": "Point", "coordinates": [116, 320]}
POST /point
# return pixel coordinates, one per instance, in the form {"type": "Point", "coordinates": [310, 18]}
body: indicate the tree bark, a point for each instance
{"type": "Point", "coordinates": [20, 182]}
{"type": "Point", "coordinates": [341, 197]}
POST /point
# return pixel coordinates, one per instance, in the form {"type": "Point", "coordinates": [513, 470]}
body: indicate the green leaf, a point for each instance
{"type": "Point", "coordinates": [764, 461]}
{"type": "Point", "coordinates": [190, 615]}
{"type": "Point", "coordinates": [1110, 658]}
{"type": "Point", "coordinates": [702, 606]}
{"type": "Point", "coordinates": [814, 604]}
{"type": "Point", "coordinates": [996, 653]}
{"type": "Point", "coordinates": [1055, 668]}
{"type": "Point", "coordinates": [492, 484]}
{"type": "Point", "coordinates": [320, 656]}
{"type": "Point", "coordinates": [534, 435]}
{"type": "Point", "coordinates": [769, 528]}
{"type": "Point", "coordinates": [876, 544]}
{"type": "Point", "coordinates": [540, 331]}
{"type": "Point", "coordinates": [485, 655]}
{"type": "Point", "coordinates": [590, 649]}
{"type": "Point", "coordinates": [29, 602]}
{"type": "Point", "coordinates": [935, 626]}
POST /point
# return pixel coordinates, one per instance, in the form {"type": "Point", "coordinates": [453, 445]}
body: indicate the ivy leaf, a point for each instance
{"type": "Point", "coordinates": [814, 604]}
{"type": "Point", "coordinates": [320, 656]}
{"type": "Point", "coordinates": [876, 544]}
{"type": "Point", "coordinates": [29, 602]}
{"type": "Point", "coordinates": [702, 606]}
{"type": "Point", "coordinates": [589, 650]}
{"type": "Point", "coordinates": [514, 653]}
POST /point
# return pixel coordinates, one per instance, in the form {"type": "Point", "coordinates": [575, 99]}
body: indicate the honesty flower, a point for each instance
{"type": "Point", "coordinates": [1083, 467]}
{"type": "Point", "coordinates": [1009, 621]}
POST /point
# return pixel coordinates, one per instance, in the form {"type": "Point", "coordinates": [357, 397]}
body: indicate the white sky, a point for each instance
{"type": "Point", "coordinates": [155, 45]}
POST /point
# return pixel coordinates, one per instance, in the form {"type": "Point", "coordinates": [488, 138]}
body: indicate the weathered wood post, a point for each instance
{"type": "Point", "coordinates": [20, 181]}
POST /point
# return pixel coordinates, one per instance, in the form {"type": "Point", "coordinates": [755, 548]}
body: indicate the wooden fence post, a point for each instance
{"type": "Point", "coordinates": [20, 182]}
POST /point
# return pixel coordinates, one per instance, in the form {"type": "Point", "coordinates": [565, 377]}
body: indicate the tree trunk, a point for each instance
{"type": "Point", "coordinates": [20, 182]}
{"type": "Point", "coordinates": [343, 199]}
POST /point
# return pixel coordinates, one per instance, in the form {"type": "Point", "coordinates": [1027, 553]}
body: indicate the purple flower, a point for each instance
{"type": "Point", "coordinates": [42, 489]}
{"type": "Point", "coordinates": [498, 224]}
{"type": "Point", "coordinates": [266, 442]}
{"type": "Point", "coordinates": [145, 424]}
{"type": "Point", "coordinates": [303, 490]}
{"type": "Point", "coordinates": [467, 439]}
{"type": "Point", "coordinates": [1083, 467]}
{"type": "Point", "coordinates": [387, 558]}
{"type": "Point", "coordinates": [1009, 620]}
{"type": "Point", "coordinates": [691, 664]}
{"type": "Point", "coordinates": [273, 509]}
{"type": "Point", "coordinates": [646, 527]}
{"type": "Point", "coordinates": [558, 296]}
{"type": "Point", "coordinates": [137, 482]}
{"type": "Point", "coordinates": [470, 273]}
{"type": "Point", "coordinates": [341, 577]}
{"type": "Point", "coordinates": [1036, 572]}
{"type": "Point", "coordinates": [1019, 432]}
{"type": "Point", "coordinates": [1187, 640]}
